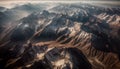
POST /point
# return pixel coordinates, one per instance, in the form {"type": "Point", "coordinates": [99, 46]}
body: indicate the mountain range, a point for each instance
{"type": "Point", "coordinates": [63, 36]}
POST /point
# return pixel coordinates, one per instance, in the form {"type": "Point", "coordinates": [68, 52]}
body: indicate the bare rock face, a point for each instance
{"type": "Point", "coordinates": [37, 57]}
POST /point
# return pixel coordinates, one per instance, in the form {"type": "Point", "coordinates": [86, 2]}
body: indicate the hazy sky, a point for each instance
{"type": "Point", "coordinates": [60, 0]}
{"type": "Point", "coordinates": [12, 3]}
